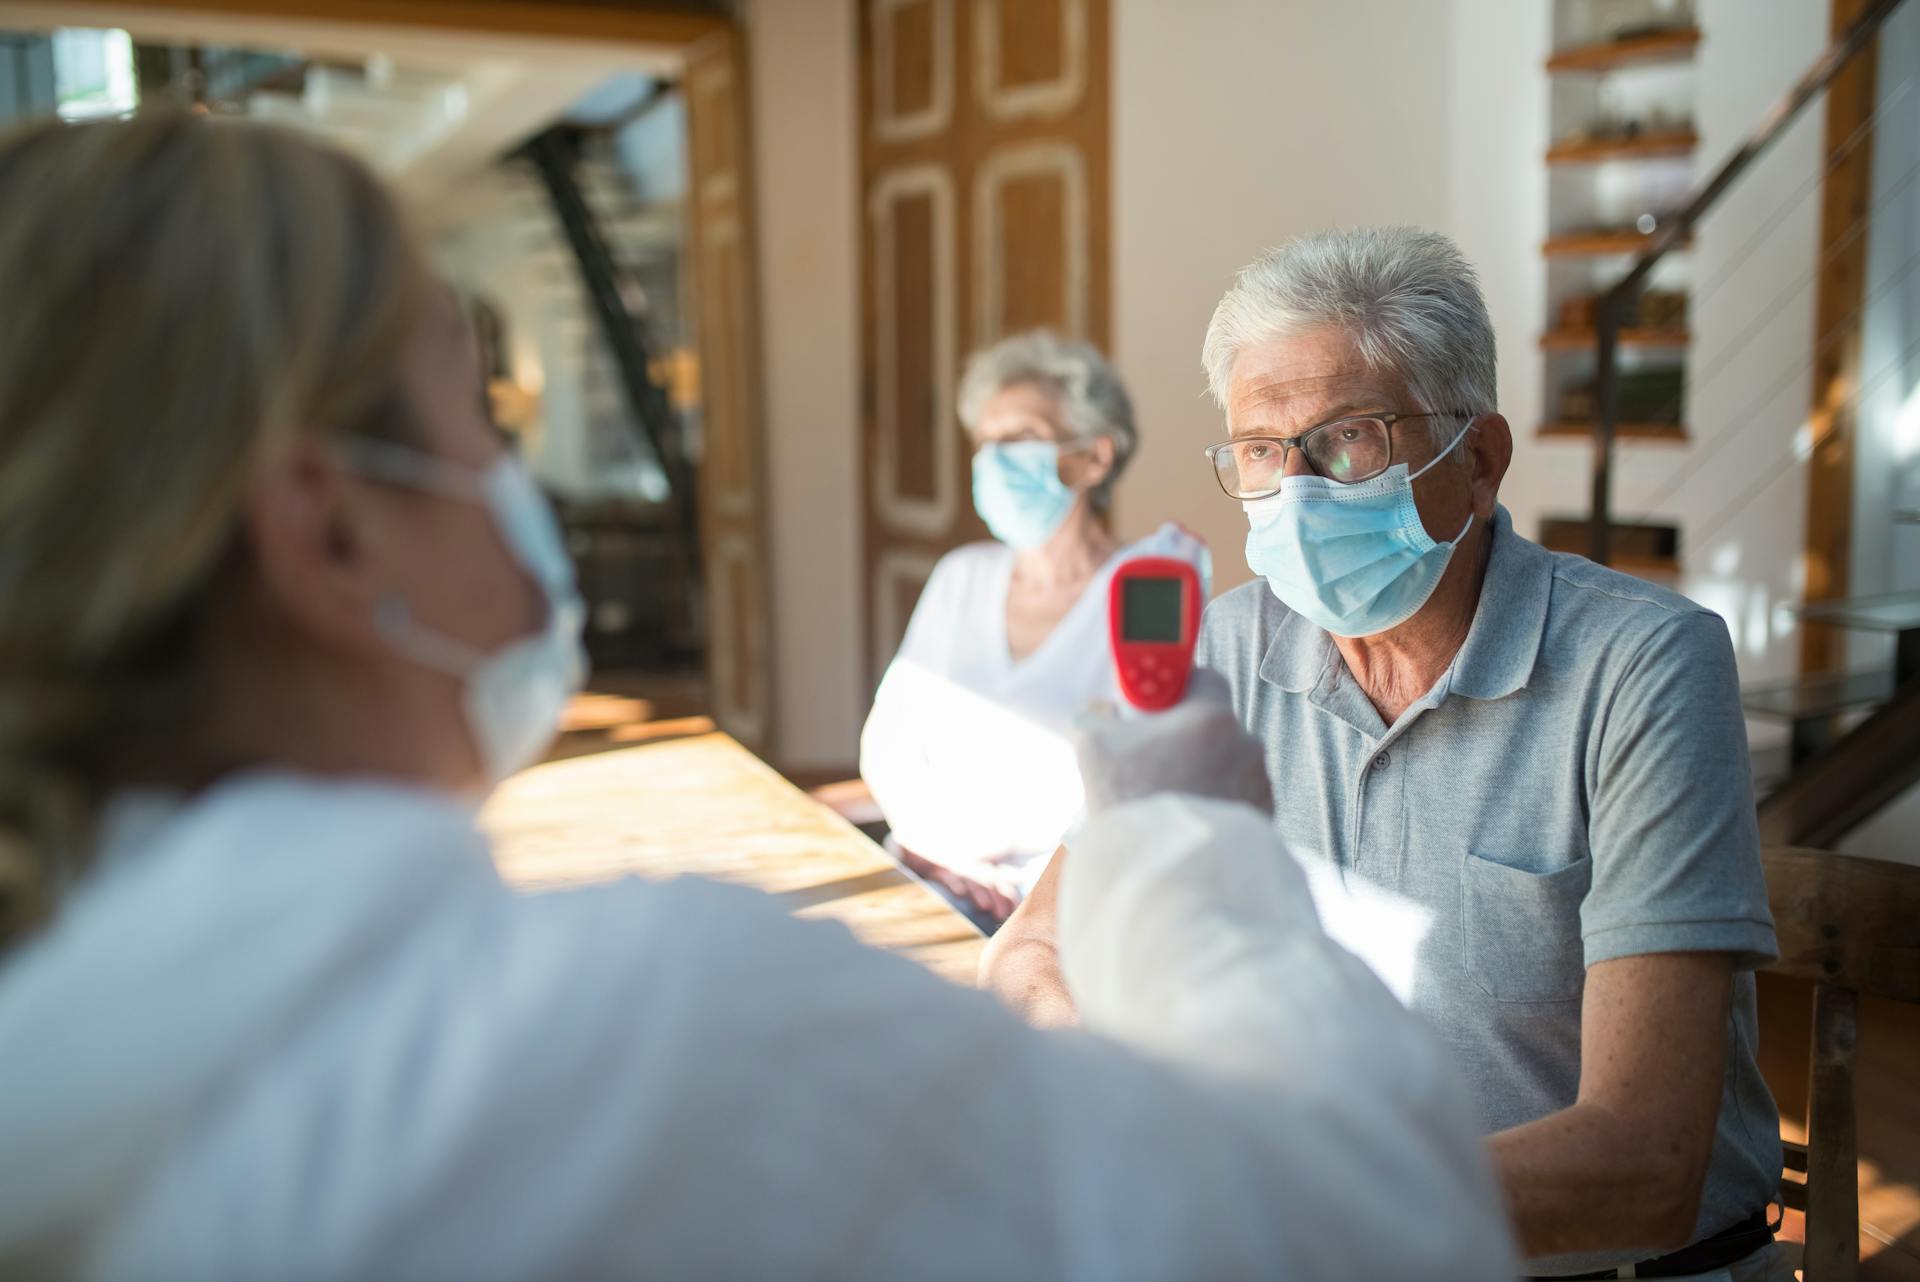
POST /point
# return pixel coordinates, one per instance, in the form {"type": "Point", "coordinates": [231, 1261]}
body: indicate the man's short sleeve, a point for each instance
{"type": "Point", "coordinates": [1231, 641]}
{"type": "Point", "coordinates": [1675, 842]}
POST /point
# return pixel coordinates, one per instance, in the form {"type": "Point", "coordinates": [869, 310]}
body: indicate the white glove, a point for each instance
{"type": "Point", "coordinates": [1196, 748]}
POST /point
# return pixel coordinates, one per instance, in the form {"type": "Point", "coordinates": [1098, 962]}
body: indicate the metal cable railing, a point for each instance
{"type": "Point", "coordinates": [1709, 445]}
{"type": "Point", "coordinates": [1797, 451]}
{"type": "Point", "coordinates": [1614, 305]}
{"type": "Point", "coordinates": [1851, 143]}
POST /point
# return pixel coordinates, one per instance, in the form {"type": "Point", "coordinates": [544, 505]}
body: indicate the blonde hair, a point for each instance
{"type": "Point", "coordinates": [179, 294]}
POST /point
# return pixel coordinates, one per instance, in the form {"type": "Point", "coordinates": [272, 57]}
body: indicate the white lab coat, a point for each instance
{"type": "Point", "coordinates": [299, 1029]}
{"type": "Point", "coordinates": [969, 751]}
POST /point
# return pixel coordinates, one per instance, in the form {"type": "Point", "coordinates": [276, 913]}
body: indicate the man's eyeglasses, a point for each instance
{"type": "Point", "coordinates": [1347, 450]}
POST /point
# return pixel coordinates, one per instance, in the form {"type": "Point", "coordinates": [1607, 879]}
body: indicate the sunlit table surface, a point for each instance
{"type": "Point", "coordinates": [704, 806]}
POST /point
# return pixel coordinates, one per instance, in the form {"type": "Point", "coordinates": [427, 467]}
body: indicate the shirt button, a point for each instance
{"type": "Point", "coordinates": [1380, 762]}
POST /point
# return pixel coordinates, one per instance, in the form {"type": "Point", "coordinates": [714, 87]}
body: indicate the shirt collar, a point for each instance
{"type": "Point", "coordinates": [1501, 646]}
{"type": "Point", "coordinates": [1298, 656]}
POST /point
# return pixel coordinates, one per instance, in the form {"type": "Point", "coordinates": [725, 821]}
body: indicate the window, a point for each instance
{"type": "Point", "coordinates": [93, 74]}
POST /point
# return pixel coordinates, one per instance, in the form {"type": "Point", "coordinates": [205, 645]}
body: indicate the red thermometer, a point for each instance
{"type": "Point", "coordinates": [1153, 615]}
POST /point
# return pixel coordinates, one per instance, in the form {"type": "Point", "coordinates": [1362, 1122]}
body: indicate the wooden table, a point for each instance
{"type": "Point", "coordinates": [704, 806]}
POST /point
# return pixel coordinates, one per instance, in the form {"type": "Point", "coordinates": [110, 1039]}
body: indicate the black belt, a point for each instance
{"type": "Point", "coordinates": [1704, 1256]}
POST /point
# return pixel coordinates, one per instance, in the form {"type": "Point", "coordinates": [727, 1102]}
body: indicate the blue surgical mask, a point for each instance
{"type": "Point", "coordinates": [1353, 559]}
{"type": "Point", "coordinates": [513, 696]}
{"type": "Point", "coordinates": [1018, 491]}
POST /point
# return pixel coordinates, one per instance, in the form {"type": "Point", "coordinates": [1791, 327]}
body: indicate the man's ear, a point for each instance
{"type": "Point", "coordinates": [1491, 443]}
{"type": "Point", "coordinates": [307, 539]}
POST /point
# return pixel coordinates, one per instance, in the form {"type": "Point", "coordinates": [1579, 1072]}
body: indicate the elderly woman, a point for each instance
{"type": "Point", "coordinates": [965, 749]}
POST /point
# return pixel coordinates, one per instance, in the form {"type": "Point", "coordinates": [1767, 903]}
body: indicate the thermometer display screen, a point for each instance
{"type": "Point", "coordinates": [1150, 610]}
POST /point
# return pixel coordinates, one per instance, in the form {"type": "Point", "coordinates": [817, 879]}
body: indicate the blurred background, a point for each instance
{"type": "Point", "coordinates": [726, 260]}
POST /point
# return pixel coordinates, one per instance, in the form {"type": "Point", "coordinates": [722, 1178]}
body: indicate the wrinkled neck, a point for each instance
{"type": "Point", "coordinates": [1398, 666]}
{"type": "Point", "coordinates": [1077, 549]}
{"type": "Point", "coordinates": [275, 697]}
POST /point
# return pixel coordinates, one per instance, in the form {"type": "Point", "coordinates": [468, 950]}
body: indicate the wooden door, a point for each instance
{"type": "Point", "coordinates": [732, 484]}
{"type": "Point", "coordinates": [984, 172]}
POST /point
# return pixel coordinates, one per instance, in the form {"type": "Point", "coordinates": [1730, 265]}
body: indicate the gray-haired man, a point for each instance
{"type": "Point", "coordinates": [1521, 779]}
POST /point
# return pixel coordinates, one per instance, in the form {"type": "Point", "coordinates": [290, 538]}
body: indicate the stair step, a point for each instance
{"type": "Point", "coordinates": [1658, 433]}
{"type": "Point", "coordinates": [1649, 550]}
{"type": "Point", "coordinates": [1819, 696]}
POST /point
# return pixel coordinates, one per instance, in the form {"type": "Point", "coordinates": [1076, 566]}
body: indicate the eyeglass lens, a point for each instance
{"type": "Point", "coordinates": [1351, 450]}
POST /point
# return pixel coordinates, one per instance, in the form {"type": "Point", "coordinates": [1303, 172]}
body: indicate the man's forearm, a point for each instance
{"type": "Point", "coordinates": [1579, 1180]}
{"type": "Point", "coordinates": [1623, 1168]}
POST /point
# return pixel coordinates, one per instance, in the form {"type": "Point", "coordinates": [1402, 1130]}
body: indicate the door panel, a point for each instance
{"type": "Point", "coordinates": [914, 479]}
{"type": "Point", "coordinates": [1030, 218]}
{"type": "Point", "coordinates": [732, 483]}
{"type": "Point", "coordinates": [984, 172]}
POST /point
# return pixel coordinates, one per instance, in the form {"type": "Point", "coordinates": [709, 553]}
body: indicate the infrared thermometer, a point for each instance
{"type": "Point", "coordinates": [1153, 617]}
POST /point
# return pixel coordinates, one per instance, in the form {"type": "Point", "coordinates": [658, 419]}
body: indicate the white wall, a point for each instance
{"type": "Point", "coordinates": [803, 89]}
{"type": "Point", "coordinates": [1497, 125]}
{"type": "Point", "coordinates": [1239, 123]}
{"type": "Point", "coordinates": [1742, 508]}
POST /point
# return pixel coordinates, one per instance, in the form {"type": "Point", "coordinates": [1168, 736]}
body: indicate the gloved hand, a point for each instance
{"type": "Point", "coordinates": [1197, 748]}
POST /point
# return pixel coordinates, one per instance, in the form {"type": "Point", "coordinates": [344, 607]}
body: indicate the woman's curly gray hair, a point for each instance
{"type": "Point", "coordinates": [1093, 402]}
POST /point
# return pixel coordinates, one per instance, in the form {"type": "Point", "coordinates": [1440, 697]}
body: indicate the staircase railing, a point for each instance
{"type": "Point", "coordinates": [553, 156]}
{"type": "Point", "coordinates": [1842, 787]}
{"type": "Point", "coordinates": [1614, 305]}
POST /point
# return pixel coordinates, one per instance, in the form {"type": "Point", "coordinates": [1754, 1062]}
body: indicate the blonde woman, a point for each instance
{"type": "Point", "coordinates": [277, 609]}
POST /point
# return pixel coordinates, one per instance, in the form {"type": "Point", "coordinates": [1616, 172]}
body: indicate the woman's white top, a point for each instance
{"type": "Point", "coordinates": [300, 1029]}
{"type": "Point", "coordinates": [967, 749]}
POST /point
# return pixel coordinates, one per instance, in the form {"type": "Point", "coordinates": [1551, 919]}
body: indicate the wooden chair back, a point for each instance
{"type": "Point", "coordinates": [1850, 926]}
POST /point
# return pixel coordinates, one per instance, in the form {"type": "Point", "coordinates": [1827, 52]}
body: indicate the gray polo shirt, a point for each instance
{"type": "Point", "coordinates": [1573, 789]}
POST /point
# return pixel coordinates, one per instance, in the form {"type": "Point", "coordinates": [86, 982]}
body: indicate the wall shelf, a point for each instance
{"type": "Point", "coordinates": [1586, 151]}
{"type": "Point", "coordinates": [1655, 47]}
{"type": "Point", "coordinates": [1619, 156]}
{"type": "Point", "coordinates": [1646, 567]}
{"type": "Point", "coordinates": [1655, 433]}
{"type": "Point", "coordinates": [1580, 340]}
{"type": "Point", "coordinates": [1592, 243]}
{"type": "Point", "coordinates": [1648, 551]}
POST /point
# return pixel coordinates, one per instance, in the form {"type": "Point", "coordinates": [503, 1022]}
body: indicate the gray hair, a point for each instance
{"type": "Point", "coordinates": [1409, 298]}
{"type": "Point", "coordinates": [1092, 399]}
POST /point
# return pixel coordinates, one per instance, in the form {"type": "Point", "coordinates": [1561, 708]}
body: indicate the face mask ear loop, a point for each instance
{"type": "Point", "coordinates": [394, 621]}
{"type": "Point", "coordinates": [1435, 460]}
{"type": "Point", "coordinates": [415, 469]}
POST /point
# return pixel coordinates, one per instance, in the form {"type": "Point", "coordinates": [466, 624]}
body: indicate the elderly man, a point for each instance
{"type": "Point", "coordinates": [1520, 779]}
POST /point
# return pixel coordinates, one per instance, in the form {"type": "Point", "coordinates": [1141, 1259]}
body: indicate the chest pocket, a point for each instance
{"type": "Point", "coordinates": [1520, 930]}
